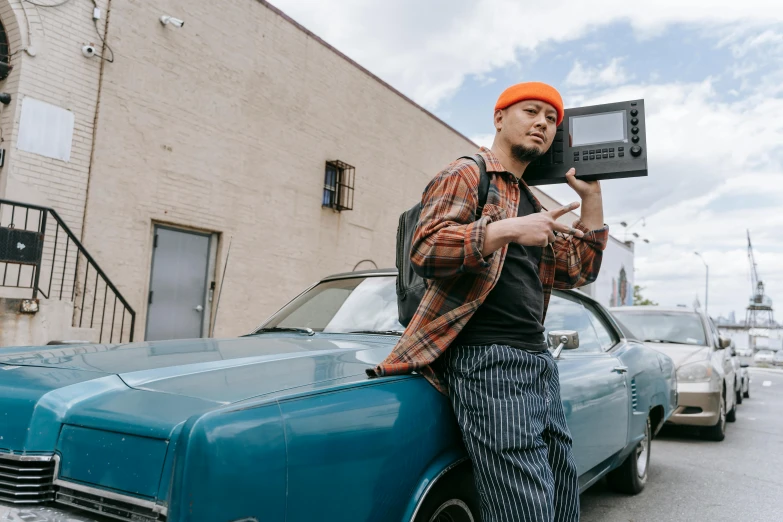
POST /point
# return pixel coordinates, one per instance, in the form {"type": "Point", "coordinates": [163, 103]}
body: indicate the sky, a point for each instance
{"type": "Point", "coordinates": [711, 75]}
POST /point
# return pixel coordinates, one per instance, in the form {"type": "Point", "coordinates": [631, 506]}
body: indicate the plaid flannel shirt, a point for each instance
{"type": "Point", "coordinates": [446, 251]}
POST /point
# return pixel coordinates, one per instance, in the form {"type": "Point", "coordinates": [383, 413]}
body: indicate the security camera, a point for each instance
{"type": "Point", "coordinates": [89, 51]}
{"type": "Point", "coordinates": [176, 22]}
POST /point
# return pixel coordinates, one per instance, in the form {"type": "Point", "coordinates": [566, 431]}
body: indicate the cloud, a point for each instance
{"type": "Point", "coordinates": [695, 141]}
{"type": "Point", "coordinates": [612, 74]}
{"type": "Point", "coordinates": [673, 274]}
{"type": "Point", "coordinates": [715, 170]}
{"type": "Point", "coordinates": [428, 49]}
{"type": "Point", "coordinates": [715, 145]}
{"type": "Point", "coordinates": [484, 140]}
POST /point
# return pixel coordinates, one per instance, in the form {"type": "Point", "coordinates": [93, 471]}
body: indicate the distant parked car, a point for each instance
{"type": "Point", "coordinates": [284, 424]}
{"type": "Point", "coordinates": [745, 352]}
{"type": "Point", "coordinates": [745, 380]}
{"type": "Point", "coordinates": [740, 370]}
{"type": "Point", "coordinates": [764, 357]}
{"type": "Point", "coordinates": [706, 380]}
{"type": "Point", "coordinates": [777, 360]}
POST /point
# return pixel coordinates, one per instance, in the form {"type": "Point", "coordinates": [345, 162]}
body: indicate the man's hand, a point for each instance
{"type": "Point", "coordinates": [537, 229]}
{"type": "Point", "coordinates": [592, 202]}
{"type": "Point", "coordinates": [585, 189]}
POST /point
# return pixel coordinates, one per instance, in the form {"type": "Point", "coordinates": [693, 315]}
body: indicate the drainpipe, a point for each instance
{"type": "Point", "coordinates": [95, 120]}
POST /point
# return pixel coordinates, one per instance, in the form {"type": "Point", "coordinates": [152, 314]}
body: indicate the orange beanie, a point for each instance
{"type": "Point", "coordinates": [532, 91]}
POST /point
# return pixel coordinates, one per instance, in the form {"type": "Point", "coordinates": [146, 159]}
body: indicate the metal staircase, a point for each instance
{"type": "Point", "coordinates": [40, 257]}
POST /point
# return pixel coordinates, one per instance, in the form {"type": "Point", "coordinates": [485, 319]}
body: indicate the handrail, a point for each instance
{"type": "Point", "coordinates": [35, 268]}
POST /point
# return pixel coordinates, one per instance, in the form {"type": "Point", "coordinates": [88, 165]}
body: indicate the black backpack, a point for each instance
{"type": "Point", "coordinates": [410, 286]}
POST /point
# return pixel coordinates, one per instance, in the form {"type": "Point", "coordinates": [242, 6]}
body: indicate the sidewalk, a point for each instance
{"type": "Point", "coordinates": [755, 369]}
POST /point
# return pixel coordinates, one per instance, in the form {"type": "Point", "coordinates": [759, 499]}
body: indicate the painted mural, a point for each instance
{"type": "Point", "coordinates": [614, 286]}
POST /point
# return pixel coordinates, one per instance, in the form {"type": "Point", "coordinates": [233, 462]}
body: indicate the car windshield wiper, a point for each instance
{"type": "Point", "coordinates": [378, 332]}
{"type": "Point", "coordinates": [668, 342]}
{"type": "Point", "coordinates": [308, 331]}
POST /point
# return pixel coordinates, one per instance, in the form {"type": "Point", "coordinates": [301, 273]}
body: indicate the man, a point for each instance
{"type": "Point", "coordinates": [478, 332]}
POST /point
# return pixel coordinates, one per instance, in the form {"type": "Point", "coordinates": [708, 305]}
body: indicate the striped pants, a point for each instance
{"type": "Point", "coordinates": [507, 403]}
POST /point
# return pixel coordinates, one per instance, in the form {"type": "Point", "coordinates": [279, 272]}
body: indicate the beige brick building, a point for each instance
{"type": "Point", "coordinates": [222, 128]}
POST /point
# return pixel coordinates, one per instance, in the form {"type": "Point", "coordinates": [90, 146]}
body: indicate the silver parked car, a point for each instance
{"type": "Point", "coordinates": [742, 383]}
{"type": "Point", "coordinates": [764, 356]}
{"type": "Point", "coordinates": [706, 379]}
{"type": "Point", "coordinates": [777, 360]}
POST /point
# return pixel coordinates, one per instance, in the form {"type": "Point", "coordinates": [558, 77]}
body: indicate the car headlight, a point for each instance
{"type": "Point", "coordinates": [694, 372]}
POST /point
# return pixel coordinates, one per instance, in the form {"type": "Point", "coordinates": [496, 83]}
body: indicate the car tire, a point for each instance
{"type": "Point", "coordinates": [739, 397]}
{"type": "Point", "coordinates": [452, 499]}
{"type": "Point", "coordinates": [718, 431]}
{"type": "Point", "coordinates": [747, 393]}
{"type": "Point", "coordinates": [631, 476]}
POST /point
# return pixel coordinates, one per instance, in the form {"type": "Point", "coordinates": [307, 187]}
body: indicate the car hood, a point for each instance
{"type": "Point", "coordinates": [222, 371]}
{"type": "Point", "coordinates": [680, 353]}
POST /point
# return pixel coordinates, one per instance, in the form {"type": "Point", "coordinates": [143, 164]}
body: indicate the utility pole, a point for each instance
{"type": "Point", "coordinates": [707, 283]}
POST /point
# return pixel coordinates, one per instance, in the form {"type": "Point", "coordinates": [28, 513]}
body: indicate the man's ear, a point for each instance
{"type": "Point", "coordinates": [499, 119]}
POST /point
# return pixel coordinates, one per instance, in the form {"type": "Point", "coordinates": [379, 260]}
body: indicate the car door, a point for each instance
{"type": "Point", "coordinates": [592, 383]}
{"type": "Point", "coordinates": [724, 356]}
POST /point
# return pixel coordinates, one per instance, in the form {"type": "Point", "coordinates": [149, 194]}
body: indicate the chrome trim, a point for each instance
{"type": "Point", "coordinates": [432, 483]}
{"type": "Point", "coordinates": [26, 458]}
{"type": "Point", "coordinates": [74, 501]}
{"type": "Point", "coordinates": [148, 504]}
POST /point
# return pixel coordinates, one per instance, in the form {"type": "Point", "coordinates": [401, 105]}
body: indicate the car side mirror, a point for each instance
{"type": "Point", "coordinates": [724, 343]}
{"type": "Point", "coordinates": [560, 340]}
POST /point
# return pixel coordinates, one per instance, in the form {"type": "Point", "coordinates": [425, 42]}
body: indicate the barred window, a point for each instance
{"type": "Point", "coordinates": [5, 58]}
{"type": "Point", "coordinates": [338, 185]}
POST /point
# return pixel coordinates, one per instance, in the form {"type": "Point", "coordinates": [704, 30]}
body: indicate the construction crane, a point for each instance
{"type": "Point", "coordinates": [759, 312]}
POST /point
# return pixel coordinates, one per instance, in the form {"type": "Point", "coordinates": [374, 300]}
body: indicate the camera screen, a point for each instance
{"type": "Point", "coordinates": [598, 128]}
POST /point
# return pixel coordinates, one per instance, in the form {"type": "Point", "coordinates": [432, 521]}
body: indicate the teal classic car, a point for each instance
{"type": "Point", "coordinates": [284, 424]}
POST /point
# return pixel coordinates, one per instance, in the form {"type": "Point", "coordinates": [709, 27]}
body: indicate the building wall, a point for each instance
{"type": "Point", "coordinates": [225, 126]}
{"type": "Point", "coordinates": [49, 66]}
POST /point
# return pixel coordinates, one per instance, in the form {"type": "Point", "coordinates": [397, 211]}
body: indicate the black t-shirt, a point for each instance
{"type": "Point", "coordinates": [514, 308]}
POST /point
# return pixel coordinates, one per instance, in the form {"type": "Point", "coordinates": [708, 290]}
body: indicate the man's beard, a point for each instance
{"type": "Point", "coordinates": [525, 154]}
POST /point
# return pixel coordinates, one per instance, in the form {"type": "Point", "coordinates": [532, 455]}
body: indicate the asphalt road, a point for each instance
{"type": "Point", "coordinates": [738, 479]}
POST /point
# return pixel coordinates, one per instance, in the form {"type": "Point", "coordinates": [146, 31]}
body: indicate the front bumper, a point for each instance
{"type": "Point", "coordinates": [9, 513]}
{"type": "Point", "coordinates": [698, 405]}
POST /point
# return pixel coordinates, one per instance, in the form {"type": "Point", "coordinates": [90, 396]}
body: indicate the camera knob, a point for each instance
{"type": "Point", "coordinates": [636, 151]}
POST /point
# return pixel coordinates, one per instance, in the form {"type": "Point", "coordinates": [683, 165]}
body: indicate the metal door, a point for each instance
{"type": "Point", "coordinates": [178, 285]}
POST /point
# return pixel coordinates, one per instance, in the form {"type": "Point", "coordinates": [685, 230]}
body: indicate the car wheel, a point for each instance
{"type": "Point", "coordinates": [747, 393]}
{"type": "Point", "coordinates": [739, 397]}
{"type": "Point", "coordinates": [453, 499]}
{"type": "Point", "coordinates": [717, 432]}
{"type": "Point", "coordinates": [631, 476]}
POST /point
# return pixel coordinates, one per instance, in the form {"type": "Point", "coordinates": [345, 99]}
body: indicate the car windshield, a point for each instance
{"type": "Point", "coordinates": [665, 327]}
{"type": "Point", "coordinates": [356, 304]}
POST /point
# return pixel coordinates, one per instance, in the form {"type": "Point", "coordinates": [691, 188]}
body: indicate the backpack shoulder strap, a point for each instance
{"type": "Point", "coordinates": [483, 188]}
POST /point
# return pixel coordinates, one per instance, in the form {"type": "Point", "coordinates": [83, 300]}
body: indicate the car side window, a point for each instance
{"type": "Point", "coordinates": [568, 313]}
{"type": "Point", "coordinates": [715, 335]}
{"type": "Point", "coordinates": [606, 335]}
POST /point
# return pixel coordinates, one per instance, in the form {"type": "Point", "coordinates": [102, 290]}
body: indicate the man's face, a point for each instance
{"type": "Point", "coordinates": [529, 125]}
